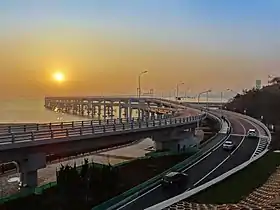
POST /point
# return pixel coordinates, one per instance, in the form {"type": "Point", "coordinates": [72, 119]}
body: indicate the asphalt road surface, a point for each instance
{"type": "Point", "coordinates": [214, 164]}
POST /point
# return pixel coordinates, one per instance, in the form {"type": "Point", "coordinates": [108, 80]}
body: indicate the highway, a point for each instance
{"type": "Point", "coordinates": [214, 164]}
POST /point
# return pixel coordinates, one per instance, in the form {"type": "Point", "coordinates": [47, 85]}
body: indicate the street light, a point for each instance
{"type": "Point", "coordinates": [139, 82]}
{"type": "Point", "coordinates": [228, 89]}
{"type": "Point", "coordinates": [198, 97]}
{"type": "Point", "coordinates": [177, 89]}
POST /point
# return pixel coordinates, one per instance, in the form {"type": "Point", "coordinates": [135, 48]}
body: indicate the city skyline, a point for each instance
{"type": "Point", "coordinates": [102, 46]}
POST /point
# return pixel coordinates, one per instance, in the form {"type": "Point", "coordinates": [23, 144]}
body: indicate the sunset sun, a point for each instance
{"type": "Point", "coordinates": [58, 76]}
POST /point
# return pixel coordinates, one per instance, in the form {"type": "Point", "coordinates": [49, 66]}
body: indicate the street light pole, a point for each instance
{"type": "Point", "coordinates": [139, 82]}
{"type": "Point", "coordinates": [198, 97]}
{"type": "Point", "coordinates": [221, 103]}
{"type": "Point", "coordinates": [177, 89]}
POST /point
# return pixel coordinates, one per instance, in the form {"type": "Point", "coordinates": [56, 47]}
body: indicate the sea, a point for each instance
{"type": "Point", "coordinates": [33, 111]}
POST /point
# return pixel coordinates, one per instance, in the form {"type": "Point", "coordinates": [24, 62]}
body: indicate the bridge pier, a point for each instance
{"type": "Point", "coordinates": [103, 107]}
{"type": "Point", "coordinates": [28, 167]}
{"type": "Point", "coordinates": [130, 110]}
{"type": "Point", "coordinates": [178, 140]}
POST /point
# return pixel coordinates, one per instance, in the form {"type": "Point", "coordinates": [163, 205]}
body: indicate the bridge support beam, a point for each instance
{"type": "Point", "coordinates": [120, 110]}
{"type": "Point", "coordinates": [177, 141]}
{"type": "Point", "coordinates": [28, 169]}
{"type": "Point", "coordinates": [130, 110]}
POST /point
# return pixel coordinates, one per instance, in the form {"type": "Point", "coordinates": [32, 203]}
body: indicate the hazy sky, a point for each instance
{"type": "Point", "coordinates": [102, 45]}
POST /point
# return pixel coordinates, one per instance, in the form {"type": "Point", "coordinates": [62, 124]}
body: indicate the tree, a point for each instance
{"type": "Point", "coordinates": [275, 80]}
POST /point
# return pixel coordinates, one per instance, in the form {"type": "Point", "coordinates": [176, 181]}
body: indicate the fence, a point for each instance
{"type": "Point", "coordinates": [95, 130]}
{"type": "Point", "coordinates": [154, 180]}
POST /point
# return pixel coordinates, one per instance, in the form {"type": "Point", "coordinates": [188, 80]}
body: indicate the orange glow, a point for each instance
{"type": "Point", "coordinates": [59, 77]}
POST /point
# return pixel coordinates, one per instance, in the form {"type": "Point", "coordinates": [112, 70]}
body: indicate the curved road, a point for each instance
{"type": "Point", "coordinates": [214, 164]}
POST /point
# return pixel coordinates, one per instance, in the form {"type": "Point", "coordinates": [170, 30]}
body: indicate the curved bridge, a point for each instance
{"type": "Point", "coordinates": [30, 144]}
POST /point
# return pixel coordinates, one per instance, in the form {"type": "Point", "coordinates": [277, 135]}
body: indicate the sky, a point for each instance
{"type": "Point", "coordinates": [101, 46]}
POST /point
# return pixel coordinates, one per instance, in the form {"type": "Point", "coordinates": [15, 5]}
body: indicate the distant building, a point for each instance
{"type": "Point", "coordinates": [258, 84]}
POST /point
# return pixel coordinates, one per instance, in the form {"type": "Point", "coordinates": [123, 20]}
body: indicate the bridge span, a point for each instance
{"type": "Point", "coordinates": [29, 146]}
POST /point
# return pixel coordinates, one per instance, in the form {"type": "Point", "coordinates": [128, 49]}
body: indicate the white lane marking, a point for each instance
{"type": "Point", "coordinates": [240, 135]}
{"type": "Point", "coordinates": [243, 138]}
{"type": "Point", "coordinates": [216, 146]}
{"type": "Point", "coordinates": [259, 133]}
{"type": "Point", "coordinates": [157, 186]}
{"type": "Point", "coordinates": [140, 196]}
{"type": "Point", "coordinates": [209, 152]}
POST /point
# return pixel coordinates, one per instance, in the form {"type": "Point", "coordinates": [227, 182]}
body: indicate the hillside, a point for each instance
{"type": "Point", "coordinates": [257, 103]}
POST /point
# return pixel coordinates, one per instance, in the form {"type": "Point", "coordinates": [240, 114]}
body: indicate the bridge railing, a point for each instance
{"type": "Point", "coordinates": [60, 125]}
{"type": "Point", "coordinates": [21, 137]}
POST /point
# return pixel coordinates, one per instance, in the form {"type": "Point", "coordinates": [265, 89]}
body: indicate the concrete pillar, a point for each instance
{"type": "Point", "coordinates": [147, 115]}
{"type": "Point", "coordinates": [152, 116]}
{"type": "Point", "coordinates": [129, 110]}
{"type": "Point", "coordinates": [142, 114]}
{"type": "Point", "coordinates": [92, 109]}
{"type": "Point", "coordinates": [99, 110]}
{"type": "Point", "coordinates": [82, 109]}
{"type": "Point", "coordinates": [104, 110]}
{"type": "Point", "coordinates": [176, 140]}
{"type": "Point", "coordinates": [120, 110]}
{"type": "Point", "coordinates": [126, 110]}
{"type": "Point", "coordinates": [28, 168]}
{"type": "Point", "coordinates": [112, 110]}
{"type": "Point", "coordinates": [88, 108]}
{"type": "Point", "coordinates": [139, 113]}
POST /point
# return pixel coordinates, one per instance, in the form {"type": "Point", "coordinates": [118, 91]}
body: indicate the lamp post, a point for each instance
{"type": "Point", "coordinates": [177, 89]}
{"type": "Point", "coordinates": [198, 97]}
{"type": "Point", "coordinates": [139, 82]}
{"type": "Point", "coordinates": [221, 103]}
{"type": "Point", "coordinates": [235, 92]}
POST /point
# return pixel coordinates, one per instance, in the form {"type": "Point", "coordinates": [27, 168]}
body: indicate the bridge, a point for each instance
{"type": "Point", "coordinates": [209, 104]}
{"type": "Point", "coordinates": [28, 145]}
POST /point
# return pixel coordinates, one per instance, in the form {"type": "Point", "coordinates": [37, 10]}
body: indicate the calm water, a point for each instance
{"type": "Point", "coordinates": [28, 111]}
{"type": "Point", "coordinates": [33, 111]}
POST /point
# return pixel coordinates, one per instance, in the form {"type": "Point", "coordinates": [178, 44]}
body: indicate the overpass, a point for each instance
{"type": "Point", "coordinates": [209, 104]}
{"type": "Point", "coordinates": [28, 145]}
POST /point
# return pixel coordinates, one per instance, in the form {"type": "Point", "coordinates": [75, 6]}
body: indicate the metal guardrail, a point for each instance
{"type": "Point", "coordinates": [93, 130]}
{"type": "Point", "coordinates": [139, 189]}
{"type": "Point", "coordinates": [12, 128]}
{"type": "Point", "coordinates": [194, 191]}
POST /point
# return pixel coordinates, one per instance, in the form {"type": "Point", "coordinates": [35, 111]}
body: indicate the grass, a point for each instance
{"type": "Point", "coordinates": [241, 184]}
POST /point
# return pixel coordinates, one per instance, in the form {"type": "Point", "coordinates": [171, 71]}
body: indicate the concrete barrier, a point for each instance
{"type": "Point", "coordinates": [196, 190]}
{"type": "Point", "coordinates": [149, 184]}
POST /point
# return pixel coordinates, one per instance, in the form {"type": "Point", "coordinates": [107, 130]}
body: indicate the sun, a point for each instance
{"type": "Point", "coordinates": [58, 76]}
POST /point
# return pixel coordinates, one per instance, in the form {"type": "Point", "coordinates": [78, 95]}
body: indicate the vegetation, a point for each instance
{"type": "Point", "coordinates": [257, 103]}
{"type": "Point", "coordinates": [92, 184]}
{"type": "Point", "coordinates": [241, 184]}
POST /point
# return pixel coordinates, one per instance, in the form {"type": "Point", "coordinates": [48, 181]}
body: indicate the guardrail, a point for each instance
{"type": "Point", "coordinates": [60, 125]}
{"type": "Point", "coordinates": [12, 128]}
{"type": "Point", "coordinates": [94, 130]}
{"type": "Point", "coordinates": [194, 191]}
{"type": "Point", "coordinates": [139, 189]}
{"type": "Point", "coordinates": [257, 122]}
